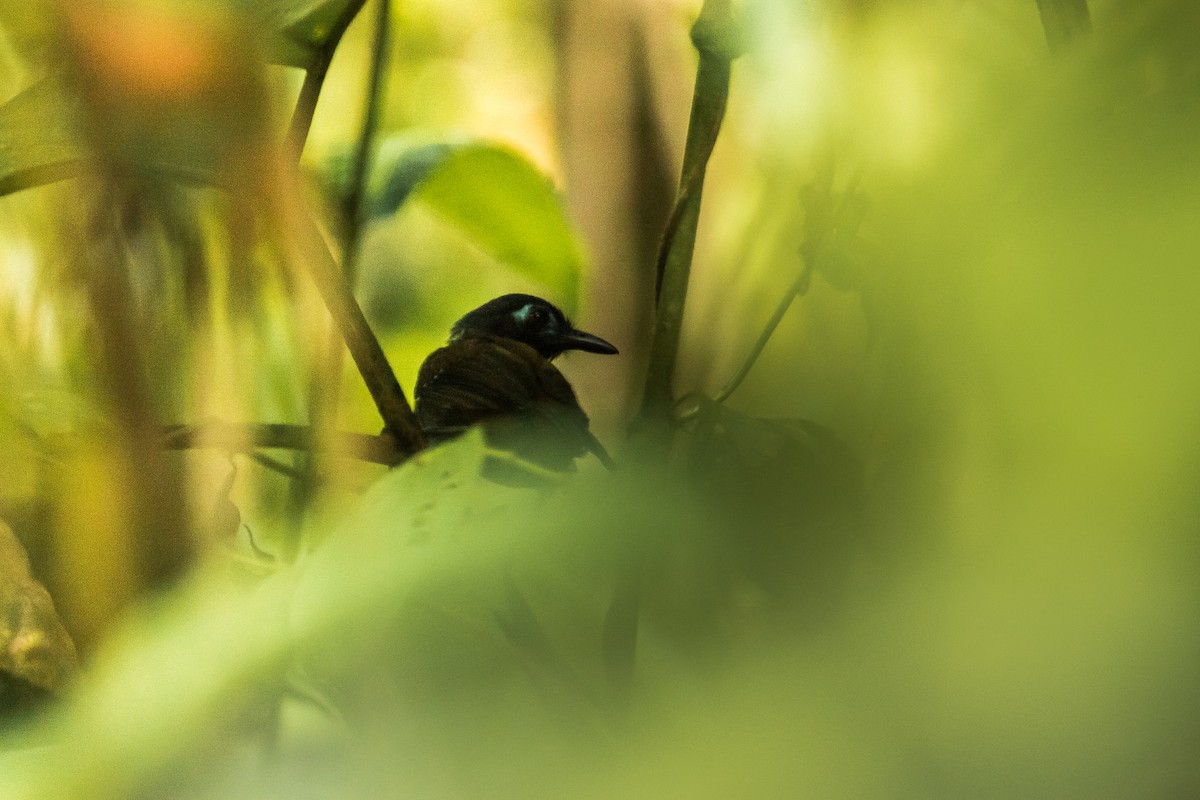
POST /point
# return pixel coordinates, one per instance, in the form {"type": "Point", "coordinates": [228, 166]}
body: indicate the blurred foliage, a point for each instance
{"type": "Point", "coordinates": [492, 195]}
{"type": "Point", "coordinates": [941, 542]}
{"type": "Point", "coordinates": [36, 653]}
{"type": "Point", "coordinates": [34, 137]}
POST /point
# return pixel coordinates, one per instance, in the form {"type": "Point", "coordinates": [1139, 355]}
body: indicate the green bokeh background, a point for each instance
{"type": "Point", "coordinates": [1006, 342]}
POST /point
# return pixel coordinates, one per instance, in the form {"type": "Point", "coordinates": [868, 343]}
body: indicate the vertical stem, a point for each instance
{"type": "Point", "coordinates": [361, 166]}
{"type": "Point", "coordinates": [714, 37]}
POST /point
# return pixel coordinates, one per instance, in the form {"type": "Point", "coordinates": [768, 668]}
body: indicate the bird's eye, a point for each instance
{"type": "Point", "coordinates": [532, 317]}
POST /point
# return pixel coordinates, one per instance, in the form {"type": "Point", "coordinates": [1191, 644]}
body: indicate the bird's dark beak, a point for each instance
{"type": "Point", "coordinates": [578, 340]}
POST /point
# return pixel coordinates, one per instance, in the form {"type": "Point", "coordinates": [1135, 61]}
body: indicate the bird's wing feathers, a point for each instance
{"type": "Point", "coordinates": [482, 379]}
{"type": "Point", "coordinates": [474, 379]}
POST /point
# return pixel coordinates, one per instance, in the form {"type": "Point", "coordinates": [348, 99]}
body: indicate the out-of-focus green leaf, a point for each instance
{"type": "Point", "coordinates": [407, 515]}
{"type": "Point", "coordinates": [36, 144]}
{"type": "Point", "coordinates": [144, 704]}
{"type": "Point", "coordinates": [401, 168]}
{"type": "Point", "coordinates": [496, 197]}
{"type": "Point", "coordinates": [40, 136]}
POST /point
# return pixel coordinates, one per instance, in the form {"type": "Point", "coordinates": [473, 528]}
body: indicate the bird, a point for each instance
{"type": "Point", "coordinates": [496, 371]}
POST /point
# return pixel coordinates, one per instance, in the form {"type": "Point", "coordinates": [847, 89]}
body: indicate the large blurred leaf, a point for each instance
{"type": "Point", "coordinates": [36, 145]}
{"type": "Point", "coordinates": [142, 706]}
{"type": "Point", "coordinates": [500, 200]}
{"type": "Point", "coordinates": [410, 520]}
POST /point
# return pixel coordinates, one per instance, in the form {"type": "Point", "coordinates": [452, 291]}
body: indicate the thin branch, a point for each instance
{"type": "Point", "coordinates": [780, 310]}
{"type": "Point", "coordinates": [235, 438]}
{"type": "Point", "coordinates": [715, 37]}
{"type": "Point", "coordinates": [275, 465]}
{"type": "Point", "coordinates": [324, 391]}
{"type": "Point", "coordinates": [364, 346]}
{"type": "Point", "coordinates": [820, 227]}
{"type": "Point", "coordinates": [361, 165]}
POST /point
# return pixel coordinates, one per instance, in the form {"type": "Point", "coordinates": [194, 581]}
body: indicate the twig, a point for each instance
{"type": "Point", "coordinates": [348, 316]}
{"type": "Point", "coordinates": [275, 465]}
{"type": "Point", "coordinates": [324, 391]}
{"type": "Point", "coordinates": [780, 310]}
{"type": "Point", "coordinates": [825, 225]}
{"type": "Point", "coordinates": [360, 166]}
{"type": "Point", "coordinates": [715, 37]}
{"type": "Point", "coordinates": [232, 437]}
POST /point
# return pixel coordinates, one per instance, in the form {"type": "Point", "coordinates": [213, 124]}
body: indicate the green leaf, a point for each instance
{"type": "Point", "coordinates": [143, 705]}
{"type": "Point", "coordinates": [496, 197]}
{"type": "Point", "coordinates": [36, 143]}
{"type": "Point", "coordinates": [401, 167]}
{"type": "Point", "coordinates": [405, 530]}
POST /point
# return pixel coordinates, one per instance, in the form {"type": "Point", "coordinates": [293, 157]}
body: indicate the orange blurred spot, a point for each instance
{"type": "Point", "coordinates": [151, 53]}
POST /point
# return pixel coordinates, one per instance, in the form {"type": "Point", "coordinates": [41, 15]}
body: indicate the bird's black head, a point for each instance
{"type": "Point", "coordinates": [531, 320]}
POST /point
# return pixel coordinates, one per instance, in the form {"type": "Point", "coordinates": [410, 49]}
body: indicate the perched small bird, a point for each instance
{"type": "Point", "coordinates": [496, 370]}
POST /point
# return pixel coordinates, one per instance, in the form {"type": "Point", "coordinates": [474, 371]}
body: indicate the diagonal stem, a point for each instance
{"type": "Point", "coordinates": [324, 391]}
{"type": "Point", "coordinates": [811, 249]}
{"type": "Point", "coordinates": [364, 346]}
{"type": "Point", "coordinates": [777, 317]}
{"type": "Point", "coordinates": [314, 79]}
